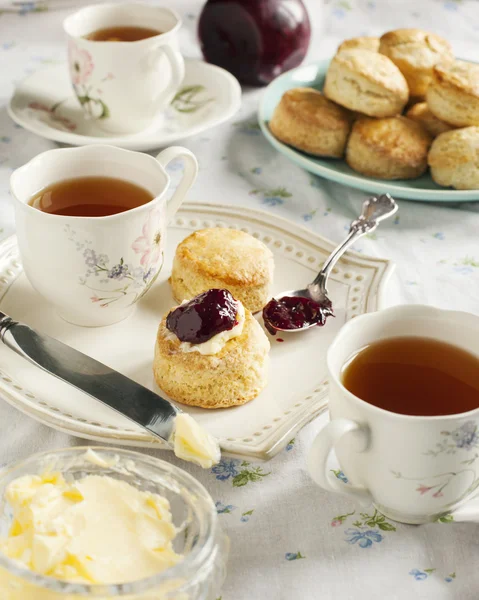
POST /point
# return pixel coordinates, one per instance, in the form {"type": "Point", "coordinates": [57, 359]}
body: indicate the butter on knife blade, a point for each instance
{"type": "Point", "coordinates": [193, 443]}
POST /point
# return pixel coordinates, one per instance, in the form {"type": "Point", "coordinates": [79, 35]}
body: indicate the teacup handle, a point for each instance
{"type": "Point", "coordinates": [177, 73]}
{"type": "Point", "coordinates": [319, 453]}
{"type": "Point", "coordinates": [189, 175]}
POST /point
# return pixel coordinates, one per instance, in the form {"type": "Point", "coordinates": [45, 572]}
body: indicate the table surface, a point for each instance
{"type": "Point", "coordinates": [288, 538]}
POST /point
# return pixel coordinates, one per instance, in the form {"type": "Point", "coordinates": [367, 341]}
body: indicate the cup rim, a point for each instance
{"type": "Point", "coordinates": [21, 171]}
{"type": "Point", "coordinates": [67, 22]}
{"type": "Point", "coordinates": [418, 310]}
{"type": "Point", "coordinates": [197, 558]}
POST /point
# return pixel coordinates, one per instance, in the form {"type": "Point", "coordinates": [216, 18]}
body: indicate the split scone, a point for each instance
{"type": "Point", "coordinates": [393, 148]}
{"type": "Point", "coordinates": [366, 82]}
{"type": "Point", "coordinates": [307, 120]}
{"type": "Point", "coordinates": [420, 112]}
{"type": "Point", "coordinates": [211, 352]}
{"type": "Point", "coordinates": [416, 52]}
{"type": "Point", "coordinates": [453, 95]}
{"type": "Point", "coordinates": [453, 159]}
{"type": "Point", "coordinates": [223, 258]}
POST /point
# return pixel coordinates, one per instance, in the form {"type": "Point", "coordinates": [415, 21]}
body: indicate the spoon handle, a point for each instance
{"type": "Point", "coordinates": [375, 210]}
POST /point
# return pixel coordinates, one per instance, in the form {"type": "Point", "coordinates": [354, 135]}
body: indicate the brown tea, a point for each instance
{"type": "Point", "coordinates": [414, 376]}
{"type": "Point", "coordinates": [122, 34]}
{"type": "Point", "coordinates": [90, 197]}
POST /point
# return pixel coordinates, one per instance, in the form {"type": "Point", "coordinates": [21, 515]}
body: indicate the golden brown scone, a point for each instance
{"type": "Point", "coordinates": [307, 120]}
{"type": "Point", "coordinates": [453, 159]}
{"type": "Point", "coordinates": [420, 112]}
{"type": "Point", "coordinates": [223, 258]}
{"type": "Point", "coordinates": [416, 52]}
{"type": "Point", "coordinates": [364, 42]}
{"type": "Point", "coordinates": [234, 376]}
{"type": "Point", "coordinates": [453, 95]}
{"type": "Point", "coordinates": [392, 148]}
{"type": "Point", "coordinates": [366, 82]}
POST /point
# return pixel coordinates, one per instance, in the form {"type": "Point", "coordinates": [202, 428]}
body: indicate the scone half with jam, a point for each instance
{"type": "Point", "coordinates": [211, 352]}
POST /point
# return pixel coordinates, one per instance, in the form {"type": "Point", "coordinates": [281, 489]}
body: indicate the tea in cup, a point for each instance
{"type": "Point", "coordinates": [93, 244]}
{"type": "Point", "coordinates": [124, 63]}
{"type": "Point", "coordinates": [404, 407]}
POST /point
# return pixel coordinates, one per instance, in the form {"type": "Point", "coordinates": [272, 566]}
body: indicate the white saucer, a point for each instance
{"type": "Point", "coordinates": [297, 388]}
{"type": "Point", "coordinates": [209, 96]}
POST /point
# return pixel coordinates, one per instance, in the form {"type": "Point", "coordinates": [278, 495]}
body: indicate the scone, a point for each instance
{"type": "Point", "coordinates": [453, 95]}
{"type": "Point", "coordinates": [366, 82]}
{"type": "Point", "coordinates": [363, 42]}
{"type": "Point", "coordinates": [420, 112]}
{"type": "Point", "coordinates": [307, 120]}
{"type": "Point", "coordinates": [228, 365]}
{"type": "Point", "coordinates": [223, 258]}
{"type": "Point", "coordinates": [393, 148]}
{"type": "Point", "coordinates": [416, 52]}
{"type": "Point", "coordinates": [453, 159]}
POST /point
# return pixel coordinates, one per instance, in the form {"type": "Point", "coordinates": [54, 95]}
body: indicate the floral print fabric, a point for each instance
{"type": "Point", "coordinates": [289, 539]}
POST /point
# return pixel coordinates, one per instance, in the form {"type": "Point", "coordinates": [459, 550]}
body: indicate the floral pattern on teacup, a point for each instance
{"type": "Point", "coordinates": [464, 438]}
{"type": "Point", "coordinates": [81, 70]}
{"type": "Point", "coordinates": [112, 281]}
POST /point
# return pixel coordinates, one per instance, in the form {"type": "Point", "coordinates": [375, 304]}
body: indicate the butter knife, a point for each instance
{"type": "Point", "coordinates": [137, 403]}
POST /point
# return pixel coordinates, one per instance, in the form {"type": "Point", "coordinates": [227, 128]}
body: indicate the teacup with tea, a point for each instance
{"type": "Point", "coordinates": [93, 243]}
{"type": "Point", "coordinates": [125, 65]}
{"type": "Point", "coordinates": [404, 407]}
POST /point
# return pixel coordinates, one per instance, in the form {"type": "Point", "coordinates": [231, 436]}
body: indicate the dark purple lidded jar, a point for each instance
{"type": "Point", "coordinates": [255, 40]}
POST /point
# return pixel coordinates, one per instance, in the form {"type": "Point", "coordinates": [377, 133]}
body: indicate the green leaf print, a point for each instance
{"type": "Point", "coordinates": [246, 475]}
{"type": "Point", "coordinates": [446, 519]}
{"type": "Point", "coordinates": [429, 571]}
{"type": "Point", "coordinates": [185, 100]}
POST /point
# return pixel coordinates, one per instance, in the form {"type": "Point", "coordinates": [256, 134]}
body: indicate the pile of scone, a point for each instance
{"type": "Point", "coordinates": [210, 350]}
{"type": "Point", "coordinates": [391, 106]}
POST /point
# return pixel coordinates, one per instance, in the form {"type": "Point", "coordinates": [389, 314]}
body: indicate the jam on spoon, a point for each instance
{"type": "Point", "coordinates": [295, 312]}
{"type": "Point", "coordinates": [203, 317]}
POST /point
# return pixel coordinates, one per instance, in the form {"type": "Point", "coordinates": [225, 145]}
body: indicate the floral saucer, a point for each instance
{"type": "Point", "coordinates": [45, 104]}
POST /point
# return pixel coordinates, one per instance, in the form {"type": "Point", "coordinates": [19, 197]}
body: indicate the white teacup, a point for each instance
{"type": "Point", "coordinates": [93, 270]}
{"type": "Point", "coordinates": [124, 85]}
{"type": "Point", "coordinates": [414, 469]}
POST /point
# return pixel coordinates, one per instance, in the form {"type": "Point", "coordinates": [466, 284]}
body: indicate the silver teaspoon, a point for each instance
{"type": "Point", "coordinates": [297, 310]}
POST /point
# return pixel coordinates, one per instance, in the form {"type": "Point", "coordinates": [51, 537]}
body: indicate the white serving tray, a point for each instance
{"type": "Point", "coordinates": [297, 390]}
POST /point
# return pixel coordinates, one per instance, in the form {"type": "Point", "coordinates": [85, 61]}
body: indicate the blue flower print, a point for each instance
{"type": "Point", "coordinates": [364, 538]}
{"type": "Point", "coordinates": [225, 469]}
{"type": "Point", "coordinates": [119, 271]}
{"type": "Point", "coordinates": [224, 509]}
{"type": "Point", "coordinates": [340, 475]}
{"type": "Point", "coordinates": [290, 445]}
{"type": "Point", "coordinates": [148, 274]}
{"type": "Point", "coordinates": [439, 236]}
{"type": "Point", "coordinates": [450, 577]}
{"type": "Point", "coordinates": [418, 575]}
{"type": "Point", "coordinates": [273, 200]}
{"type": "Point", "coordinates": [257, 170]}
{"type": "Point", "coordinates": [309, 216]}
{"type": "Point", "coordinates": [5, 139]}
{"type": "Point", "coordinates": [293, 555]}
{"type": "Point", "coordinates": [466, 436]}
{"type": "Point", "coordinates": [452, 6]}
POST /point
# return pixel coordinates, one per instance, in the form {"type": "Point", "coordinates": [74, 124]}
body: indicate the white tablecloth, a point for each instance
{"type": "Point", "coordinates": [290, 539]}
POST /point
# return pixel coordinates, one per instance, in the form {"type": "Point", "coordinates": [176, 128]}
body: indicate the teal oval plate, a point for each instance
{"type": "Point", "coordinates": [422, 188]}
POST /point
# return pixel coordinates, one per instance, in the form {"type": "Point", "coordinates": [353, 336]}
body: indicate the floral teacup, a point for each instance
{"type": "Point", "coordinates": [94, 269]}
{"type": "Point", "coordinates": [415, 469]}
{"type": "Point", "coordinates": [124, 85]}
